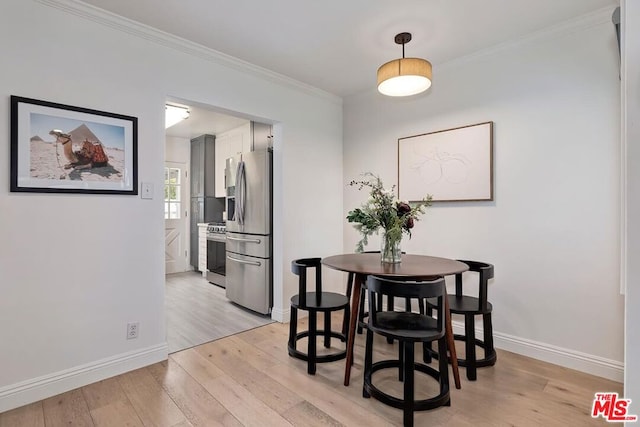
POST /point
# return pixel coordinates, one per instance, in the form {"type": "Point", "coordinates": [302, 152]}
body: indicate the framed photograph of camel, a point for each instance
{"type": "Point", "coordinates": [58, 148]}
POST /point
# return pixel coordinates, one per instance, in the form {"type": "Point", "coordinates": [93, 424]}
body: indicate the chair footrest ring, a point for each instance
{"type": "Point", "coordinates": [332, 357]}
{"type": "Point", "coordinates": [419, 405]}
{"type": "Point", "coordinates": [490, 360]}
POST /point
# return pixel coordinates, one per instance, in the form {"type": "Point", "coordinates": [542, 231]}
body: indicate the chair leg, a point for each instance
{"type": "Point", "coordinates": [345, 324]}
{"type": "Point", "coordinates": [401, 362]}
{"type": "Point", "coordinates": [293, 328]}
{"type": "Point", "coordinates": [409, 398]}
{"type": "Point", "coordinates": [311, 346]}
{"type": "Point", "coordinates": [426, 346]}
{"type": "Point", "coordinates": [327, 329]}
{"type": "Point", "coordinates": [488, 336]}
{"type": "Point", "coordinates": [470, 346]}
{"type": "Point", "coordinates": [368, 360]}
{"type": "Point", "coordinates": [443, 366]}
{"type": "Point", "coordinates": [390, 307]}
{"type": "Point", "coordinates": [426, 352]}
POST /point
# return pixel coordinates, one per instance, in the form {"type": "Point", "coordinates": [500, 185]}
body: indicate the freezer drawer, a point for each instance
{"type": "Point", "coordinates": [249, 244]}
{"type": "Point", "coordinates": [249, 282]}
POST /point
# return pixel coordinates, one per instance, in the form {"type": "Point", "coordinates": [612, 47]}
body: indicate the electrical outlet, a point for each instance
{"type": "Point", "coordinates": [132, 330]}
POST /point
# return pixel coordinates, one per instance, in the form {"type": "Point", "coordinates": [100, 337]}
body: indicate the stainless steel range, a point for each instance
{"type": "Point", "coordinates": [216, 257]}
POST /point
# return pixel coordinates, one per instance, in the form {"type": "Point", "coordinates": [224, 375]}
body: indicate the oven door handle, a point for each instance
{"type": "Point", "coordinates": [256, 263]}
{"type": "Point", "coordinates": [239, 239]}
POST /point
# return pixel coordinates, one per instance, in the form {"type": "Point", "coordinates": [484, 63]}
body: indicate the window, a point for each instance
{"type": "Point", "coordinates": [172, 190]}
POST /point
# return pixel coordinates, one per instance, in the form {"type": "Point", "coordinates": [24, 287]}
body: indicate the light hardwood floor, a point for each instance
{"type": "Point", "coordinates": [199, 312]}
{"type": "Point", "coordinates": [249, 380]}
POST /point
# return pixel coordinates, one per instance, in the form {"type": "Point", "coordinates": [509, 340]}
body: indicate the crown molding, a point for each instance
{"type": "Point", "coordinates": [573, 25]}
{"type": "Point", "coordinates": [138, 29]}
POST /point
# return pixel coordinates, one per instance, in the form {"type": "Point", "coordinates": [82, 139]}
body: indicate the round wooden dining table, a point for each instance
{"type": "Point", "coordinates": [411, 267]}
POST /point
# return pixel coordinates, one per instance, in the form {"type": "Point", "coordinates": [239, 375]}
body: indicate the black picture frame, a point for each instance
{"type": "Point", "coordinates": [58, 148]}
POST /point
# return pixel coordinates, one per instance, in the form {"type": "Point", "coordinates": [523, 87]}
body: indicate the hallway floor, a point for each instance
{"type": "Point", "coordinates": [199, 312]}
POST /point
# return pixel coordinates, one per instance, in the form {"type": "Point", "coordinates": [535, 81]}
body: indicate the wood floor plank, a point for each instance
{"type": "Point", "coordinates": [274, 333]}
{"type": "Point", "coordinates": [196, 365]}
{"type": "Point", "coordinates": [103, 393]}
{"type": "Point", "coordinates": [109, 405]}
{"type": "Point", "coordinates": [305, 414]}
{"type": "Point", "coordinates": [576, 394]}
{"type": "Point", "coordinates": [197, 405]}
{"type": "Point", "coordinates": [274, 394]}
{"type": "Point", "coordinates": [151, 402]}
{"type": "Point", "coordinates": [116, 414]}
{"type": "Point", "coordinates": [66, 409]}
{"type": "Point", "coordinates": [243, 404]}
{"type": "Point", "coordinates": [325, 397]}
{"type": "Point", "coordinates": [28, 415]}
{"type": "Point", "coordinates": [250, 354]}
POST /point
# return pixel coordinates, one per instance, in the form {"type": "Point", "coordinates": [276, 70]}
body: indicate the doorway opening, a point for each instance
{"type": "Point", "coordinates": [196, 304]}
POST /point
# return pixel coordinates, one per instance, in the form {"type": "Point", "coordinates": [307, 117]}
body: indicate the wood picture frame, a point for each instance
{"type": "Point", "coordinates": [452, 164]}
{"type": "Point", "coordinates": [57, 148]}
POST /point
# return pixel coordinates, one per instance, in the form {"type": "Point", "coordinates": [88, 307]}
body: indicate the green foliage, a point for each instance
{"type": "Point", "coordinates": [383, 210]}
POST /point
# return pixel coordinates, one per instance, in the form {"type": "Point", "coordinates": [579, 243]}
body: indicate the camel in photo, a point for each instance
{"type": "Point", "coordinates": [91, 154]}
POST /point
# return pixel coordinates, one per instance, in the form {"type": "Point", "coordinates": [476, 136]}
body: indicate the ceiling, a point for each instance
{"type": "Point", "coordinates": [203, 121]}
{"type": "Point", "coordinates": [337, 45]}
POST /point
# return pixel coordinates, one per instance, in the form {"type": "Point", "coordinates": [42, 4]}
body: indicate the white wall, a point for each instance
{"type": "Point", "coordinates": [631, 105]}
{"type": "Point", "coordinates": [74, 269]}
{"type": "Point", "coordinates": [552, 230]}
{"type": "Point", "coordinates": [177, 149]}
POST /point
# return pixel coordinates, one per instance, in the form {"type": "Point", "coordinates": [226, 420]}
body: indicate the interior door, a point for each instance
{"type": "Point", "coordinates": [175, 213]}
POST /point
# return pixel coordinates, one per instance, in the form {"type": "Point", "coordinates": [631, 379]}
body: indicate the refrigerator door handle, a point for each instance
{"type": "Point", "coordinates": [237, 239]}
{"type": "Point", "coordinates": [241, 190]}
{"type": "Point", "coordinates": [256, 263]}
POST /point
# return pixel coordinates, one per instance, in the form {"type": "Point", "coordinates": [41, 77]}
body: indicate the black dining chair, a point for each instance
{"type": "Point", "coordinates": [315, 302]}
{"type": "Point", "coordinates": [362, 313]}
{"type": "Point", "coordinates": [470, 306]}
{"type": "Point", "coordinates": [408, 328]}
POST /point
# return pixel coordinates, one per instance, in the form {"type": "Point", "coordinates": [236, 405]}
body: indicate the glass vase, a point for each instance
{"type": "Point", "coordinates": [390, 248]}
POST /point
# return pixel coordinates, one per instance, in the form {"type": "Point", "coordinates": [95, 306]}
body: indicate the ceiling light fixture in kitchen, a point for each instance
{"type": "Point", "coordinates": [175, 114]}
{"type": "Point", "coordinates": [404, 76]}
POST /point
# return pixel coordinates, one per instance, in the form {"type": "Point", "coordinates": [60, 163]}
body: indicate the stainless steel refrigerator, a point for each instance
{"type": "Point", "coordinates": [249, 245]}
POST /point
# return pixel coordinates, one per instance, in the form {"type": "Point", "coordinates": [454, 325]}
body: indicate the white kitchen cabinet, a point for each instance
{"type": "Point", "coordinates": [202, 246]}
{"type": "Point", "coordinates": [228, 144]}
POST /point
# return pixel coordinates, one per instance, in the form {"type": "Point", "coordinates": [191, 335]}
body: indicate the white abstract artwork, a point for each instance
{"type": "Point", "coordinates": [451, 165]}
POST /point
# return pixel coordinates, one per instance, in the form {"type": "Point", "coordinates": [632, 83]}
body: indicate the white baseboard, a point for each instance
{"type": "Point", "coordinates": [281, 316]}
{"type": "Point", "coordinates": [33, 390]}
{"type": "Point", "coordinates": [588, 363]}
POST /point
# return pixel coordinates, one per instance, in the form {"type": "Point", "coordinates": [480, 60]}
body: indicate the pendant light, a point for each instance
{"type": "Point", "coordinates": [404, 76]}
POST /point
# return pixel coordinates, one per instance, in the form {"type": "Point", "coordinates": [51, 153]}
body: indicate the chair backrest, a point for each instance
{"type": "Point", "coordinates": [408, 289]}
{"type": "Point", "coordinates": [299, 267]}
{"type": "Point", "coordinates": [485, 272]}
